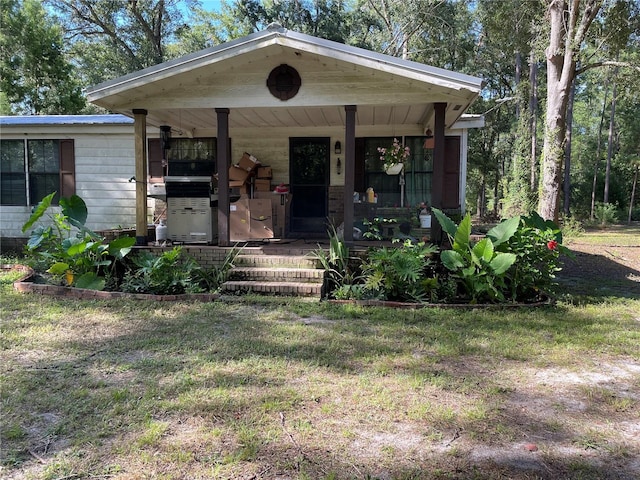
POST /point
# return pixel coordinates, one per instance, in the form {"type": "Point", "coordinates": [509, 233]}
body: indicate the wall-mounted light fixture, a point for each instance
{"type": "Point", "coordinates": [338, 166]}
{"type": "Point", "coordinates": [337, 147]}
{"type": "Point", "coordinates": [165, 137]}
{"type": "Point", "coordinates": [429, 141]}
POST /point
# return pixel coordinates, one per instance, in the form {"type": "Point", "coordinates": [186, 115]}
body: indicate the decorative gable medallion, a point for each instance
{"type": "Point", "coordinates": [284, 82]}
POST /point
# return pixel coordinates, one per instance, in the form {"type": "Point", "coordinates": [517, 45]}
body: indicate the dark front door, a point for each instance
{"type": "Point", "coordinates": [309, 183]}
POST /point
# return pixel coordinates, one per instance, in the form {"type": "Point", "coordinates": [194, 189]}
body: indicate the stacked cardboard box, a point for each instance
{"type": "Point", "coordinates": [263, 179]}
{"type": "Point", "coordinates": [250, 219]}
{"type": "Point", "coordinates": [239, 174]}
{"type": "Point", "coordinates": [280, 211]}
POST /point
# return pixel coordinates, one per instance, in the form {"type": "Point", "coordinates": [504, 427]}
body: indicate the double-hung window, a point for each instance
{"type": "Point", "coordinates": [32, 169]}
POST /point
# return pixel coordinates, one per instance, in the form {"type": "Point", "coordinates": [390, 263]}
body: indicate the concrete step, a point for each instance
{"type": "Point", "coordinates": [267, 274]}
{"type": "Point", "coordinates": [276, 261]}
{"type": "Point", "coordinates": [304, 289]}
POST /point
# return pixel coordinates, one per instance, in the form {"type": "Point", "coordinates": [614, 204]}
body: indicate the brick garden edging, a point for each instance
{"type": "Point", "coordinates": [23, 285]}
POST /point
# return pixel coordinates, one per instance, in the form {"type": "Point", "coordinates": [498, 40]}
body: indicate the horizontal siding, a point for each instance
{"type": "Point", "coordinates": [12, 218]}
{"type": "Point", "coordinates": [105, 162]}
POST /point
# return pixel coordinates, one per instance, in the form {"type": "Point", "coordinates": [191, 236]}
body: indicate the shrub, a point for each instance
{"type": "Point", "coordinates": [82, 258]}
{"type": "Point", "coordinates": [402, 273]}
{"type": "Point", "coordinates": [342, 271]}
{"type": "Point", "coordinates": [480, 269]}
{"type": "Point", "coordinates": [606, 214]}
{"type": "Point", "coordinates": [537, 245]}
{"type": "Point", "coordinates": [170, 273]}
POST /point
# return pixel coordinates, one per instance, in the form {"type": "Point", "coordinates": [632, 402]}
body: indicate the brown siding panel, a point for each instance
{"type": "Point", "coordinates": [451, 190]}
{"type": "Point", "coordinates": [67, 168]}
{"type": "Point", "coordinates": [154, 151]}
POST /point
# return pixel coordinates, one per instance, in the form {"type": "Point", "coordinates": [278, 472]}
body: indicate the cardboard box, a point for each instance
{"type": "Point", "coordinates": [280, 211]}
{"type": "Point", "coordinates": [260, 218]}
{"type": "Point", "coordinates": [248, 162]}
{"type": "Point", "coordinates": [262, 185]}
{"type": "Point", "coordinates": [264, 172]}
{"type": "Point", "coordinates": [239, 220]}
{"type": "Point", "coordinates": [237, 174]}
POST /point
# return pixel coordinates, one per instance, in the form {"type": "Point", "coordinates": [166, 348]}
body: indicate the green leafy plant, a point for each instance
{"type": "Point", "coordinates": [169, 273]}
{"type": "Point", "coordinates": [606, 214]}
{"type": "Point", "coordinates": [374, 227]}
{"type": "Point", "coordinates": [479, 267]}
{"type": "Point", "coordinates": [343, 278]}
{"type": "Point", "coordinates": [212, 278]}
{"type": "Point", "coordinates": [400, 273]}
{"type": "Point", "coordinates": [68, 248]}
{"type": "Point", "coordinates": [537, 244]}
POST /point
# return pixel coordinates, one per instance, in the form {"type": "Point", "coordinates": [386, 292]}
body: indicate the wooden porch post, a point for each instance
{"type": "Point", "coordinates": [223, 163]}
{"type": "Point", "coordinates": [140, 145]}
{"type": "Point", "coordinates": [437, 184]}
{"type": "Point", "coordinates": [349, 170]}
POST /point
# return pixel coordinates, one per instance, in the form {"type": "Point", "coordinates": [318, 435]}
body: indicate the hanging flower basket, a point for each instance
{"type": "Point", "coordinates": [394, 157]}
{"type": "Point", "coordinates": [394, 169]}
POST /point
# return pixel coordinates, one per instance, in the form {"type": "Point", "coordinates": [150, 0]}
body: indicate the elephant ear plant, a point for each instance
{"type": "Point", "coordinates": [69, 248]}
{"type": "Point", "coordinates": [480, 269]}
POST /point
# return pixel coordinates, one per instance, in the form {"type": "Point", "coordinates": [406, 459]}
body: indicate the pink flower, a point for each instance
{"type": "Point", "coordinates": [552, 244]}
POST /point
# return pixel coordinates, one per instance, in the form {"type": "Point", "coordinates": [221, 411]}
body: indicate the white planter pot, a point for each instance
{"type": "Point", "coordinates": [425, 221]}
{"type": "Point", "coordinates": [394, 169]}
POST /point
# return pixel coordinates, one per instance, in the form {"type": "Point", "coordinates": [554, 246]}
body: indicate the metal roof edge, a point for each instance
{"type": "Point", "coordinates": [107, 119]}
{"type": "Point", "coordinates": [180, 61]}
{"type": "Point", "coordinates": [474, 83]}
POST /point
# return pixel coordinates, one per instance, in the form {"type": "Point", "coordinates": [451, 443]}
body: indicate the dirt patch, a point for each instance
{"type": "Point", "coordinates": [607, 270]}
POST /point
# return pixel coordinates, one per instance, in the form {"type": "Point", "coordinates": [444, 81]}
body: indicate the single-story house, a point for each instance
{"type": "Point", "coordinates": [311, 111]}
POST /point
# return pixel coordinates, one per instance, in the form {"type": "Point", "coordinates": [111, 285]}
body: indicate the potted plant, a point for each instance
{"type": "Point", "coordinates": [424, 215]}
{"type": "Point", "coordinates": [394, 157]}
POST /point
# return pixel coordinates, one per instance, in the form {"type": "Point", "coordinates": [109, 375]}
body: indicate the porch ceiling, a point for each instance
{"type": "Point", "coordinates": [189, 121]}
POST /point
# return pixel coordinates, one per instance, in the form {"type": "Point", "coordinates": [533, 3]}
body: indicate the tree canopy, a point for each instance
{"type": "Point", "coordinates": [560, 101]}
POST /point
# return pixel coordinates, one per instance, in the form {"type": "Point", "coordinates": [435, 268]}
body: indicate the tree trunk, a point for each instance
{"type": "Point", "coordinates": [596, 165]}
{"type": "Point", "coordinates": [565, 38]}
{"type": "Point", "coordinates": [633, 192]}
{"type": "Point", "coordinates": [533, 122]}
{"type": "Point", "coordinates": [567, 152]}
{"type": "Point", "coordinates": [612, 127]}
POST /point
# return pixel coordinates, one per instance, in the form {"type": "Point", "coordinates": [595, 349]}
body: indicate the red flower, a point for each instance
{"type": "Point", "coordinates": [552, 244]}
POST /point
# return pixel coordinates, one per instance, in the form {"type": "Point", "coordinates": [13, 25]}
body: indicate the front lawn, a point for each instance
{"type": "Point", "coordinates": [271, 388]}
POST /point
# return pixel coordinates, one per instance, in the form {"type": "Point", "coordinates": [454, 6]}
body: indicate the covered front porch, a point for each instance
{"type": "Point", "coordinates": [311, 110]}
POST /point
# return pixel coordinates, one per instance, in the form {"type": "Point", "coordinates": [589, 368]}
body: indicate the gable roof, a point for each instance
{"type": "Point", "coordinates": [387, 90]}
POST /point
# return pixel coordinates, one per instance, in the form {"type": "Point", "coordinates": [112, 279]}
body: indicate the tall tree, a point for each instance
{"type": "Point", "coordinates": [35, 76]}
{"type": "Point", "coordinates": [330, 19]}
{"type": "Point", "coordinates": [112, 38]}
{"type": "Point", "coordinates": [569, 23]}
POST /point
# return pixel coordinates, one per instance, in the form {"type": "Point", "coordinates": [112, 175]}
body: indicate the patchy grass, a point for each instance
{"type": "Point", "coordinates": [613, 235]}
{"type": "Point", "coordinates": [280, 388]}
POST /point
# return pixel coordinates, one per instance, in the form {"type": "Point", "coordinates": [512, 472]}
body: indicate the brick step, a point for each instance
{"type": "Point", "coordinates": [277, 274]}
{"type": "Point", "coordinates": [303, 289]}
{"type": "Point", "coordinates": [276, 261]}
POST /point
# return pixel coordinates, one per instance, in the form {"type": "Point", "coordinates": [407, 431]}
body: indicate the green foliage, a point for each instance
{"type": "Point", "coordinates": [210, 279]}
{"type": "Point", "coordinates": [81, 259]}
{"type": "Point", "coordinates": [35, 76]}
{"type": "Point", "coordinates": [375, 225]}
{"type": "Point", "coordinates": [342, 271]}
{"type": "Point", "coordinates": [606, 214]}
{"type": "Point", "coordinates": [480, 269]}
{"type": "Point", "coordinates": [400, 273]}
{"type": "Point", "coordinates": [537, 245]}
{"type": "Point", "coordinates": [170, 273]}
